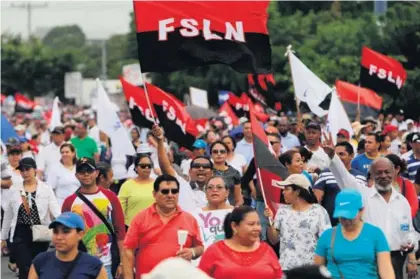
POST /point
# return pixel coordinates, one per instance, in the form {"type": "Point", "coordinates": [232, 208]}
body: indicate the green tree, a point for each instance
{"type": "Point", "coordinates": [64, 37]}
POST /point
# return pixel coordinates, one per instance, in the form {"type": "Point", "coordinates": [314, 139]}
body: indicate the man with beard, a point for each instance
{"type": "Point", "coordinates": [288, 140]}
{"type": "Point", "coordinates": [384, 208]}
{"type": "Point", "coordinates": [191, 194]}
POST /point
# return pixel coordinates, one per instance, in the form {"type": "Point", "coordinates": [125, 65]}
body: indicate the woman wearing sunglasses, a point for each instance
{"type": "Point", "coordinates": [236, 160]}
{"type": "Point", "coordinates": [31, 203]}
{"type": "Point", "coordinates": [137, 194]}
{"type": "Point", "coordinates": [219, 151]}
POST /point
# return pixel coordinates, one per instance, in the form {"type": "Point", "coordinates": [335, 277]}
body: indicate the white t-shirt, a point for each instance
{"type": "Point", "coordinates": [185, 166]}
{"type": "Point", "coordinates": [118, 166]}
{"type": "Point", "coordinates": [238, 162]}
{"type": "Point", "coordinates": [63, 181]}
{"type": "Point", "coordinates": [47, 157]}
{"type": "Point", "coordinates": [5, 193]}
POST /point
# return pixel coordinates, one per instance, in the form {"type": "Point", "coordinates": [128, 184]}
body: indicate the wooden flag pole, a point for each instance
{"type": "Point", "coordinates": [147, 94]}
{"type": "Point", "coordinates": [298, 113]}
{"type": "Point", "coordinates": [262, 192]}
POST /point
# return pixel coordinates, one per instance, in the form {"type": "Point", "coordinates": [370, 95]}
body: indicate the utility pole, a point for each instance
{"type": "Point", "coordinates": [29, 6]}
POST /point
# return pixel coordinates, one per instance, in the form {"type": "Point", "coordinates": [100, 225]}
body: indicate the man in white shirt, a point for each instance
{"type": "Point", "coordinates": [384, 206]}
{"type": "Point", "coordinates": [288, 140]}
{"type": "Point", "coordinates": [50, 155]}
{"type": "Point", "coordinates": [313, 143]}
{"type": "Point", "coordinates": [94, 131]}
{"type": "Point", "coordinates": [245, 146]}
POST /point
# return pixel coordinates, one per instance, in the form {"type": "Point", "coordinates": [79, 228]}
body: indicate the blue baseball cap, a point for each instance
{"type": "Point", "coordinates": [347, 204]}
{"type": "Point", "coordinates": [200, 144]}
{"type": "Point", "coordinates": [70, 220]}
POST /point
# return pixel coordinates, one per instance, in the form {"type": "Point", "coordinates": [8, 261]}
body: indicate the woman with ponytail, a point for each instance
{"type": "Point", "coordinates": [241, 254]}
{"type": "Point", "coordinates": [299, 224]}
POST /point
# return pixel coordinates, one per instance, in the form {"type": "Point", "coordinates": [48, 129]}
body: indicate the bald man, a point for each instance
{"type": "Point", "coordinates": [384, 207]}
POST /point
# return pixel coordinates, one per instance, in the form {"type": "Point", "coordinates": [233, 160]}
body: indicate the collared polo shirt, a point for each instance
{"type": "Point", "coordinates": [157, 241]}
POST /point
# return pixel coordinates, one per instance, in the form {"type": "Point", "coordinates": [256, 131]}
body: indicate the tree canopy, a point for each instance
{"type": "Point", "coordinates": [326, 36]}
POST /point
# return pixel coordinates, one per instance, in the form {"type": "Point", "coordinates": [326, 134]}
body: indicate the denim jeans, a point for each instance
{"type": "Point", "coordinates": [108, 269]}
{"type": "Point", "coordinates": [260, 207]}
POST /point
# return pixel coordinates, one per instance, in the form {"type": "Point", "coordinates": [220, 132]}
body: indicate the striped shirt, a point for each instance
{"type": "Point", "coordinates": [328, 184]}
{"type": "Point", "coordinates": [413, 165]}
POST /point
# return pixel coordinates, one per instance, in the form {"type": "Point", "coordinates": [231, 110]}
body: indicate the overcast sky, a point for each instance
{"type": "Point", "coordinates": [98, 19]}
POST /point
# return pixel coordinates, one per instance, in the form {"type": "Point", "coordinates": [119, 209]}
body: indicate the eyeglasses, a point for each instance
{"type": "Point", "coordinates": [145, 166]}
{"type": "Point", "coordinates": [215, 187]}
{"type": "Point", "coordinates": [166, 191]}
{"type": "Point", "coordinates": [219, 151]}
{"type": "Point", "coordinates": [85, 171]}
{"type": "Point", "coordinates": [197, 166]}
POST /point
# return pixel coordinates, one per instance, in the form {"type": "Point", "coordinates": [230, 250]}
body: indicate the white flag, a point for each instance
{"type": "Point", "coordinates": [55, 115]}
{"type": "Point", "coordinates": [337, 118]}
{"type": "Point", "coordinates": [110, 123]}
{"type": "Point", "coordinates": [308, 87]}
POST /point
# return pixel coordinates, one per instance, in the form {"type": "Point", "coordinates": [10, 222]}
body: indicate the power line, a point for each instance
{"type": "Point", "coordinates": [28, 6]}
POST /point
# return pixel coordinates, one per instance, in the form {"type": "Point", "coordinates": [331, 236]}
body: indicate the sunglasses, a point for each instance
{"type": "Point", "coordinates": [25, 169]}
{"type": "Point", "coordinates": [85, 171]}
{"type": "Point", "coordinates": [218, 151]}
{"type": "Point", "coordinates": [145, 166]}
{"type": "Point", "coordinates": [274, 142]}
{"type": "Point", "coordinates": [204, 166]}
{"type": "Point", "coordinates": [166, 191]}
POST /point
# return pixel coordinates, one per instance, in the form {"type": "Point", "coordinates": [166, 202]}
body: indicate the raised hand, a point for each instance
{"type": "Point", "coordinates": [157, 132]}
{"type": "Point", "coordinates": [328, 145]}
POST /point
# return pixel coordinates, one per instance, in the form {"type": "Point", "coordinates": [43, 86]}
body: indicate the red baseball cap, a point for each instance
{"type": "Point", "coordinates": [389, 129]}
{"type": "Point", "coordinates": [344, 133]}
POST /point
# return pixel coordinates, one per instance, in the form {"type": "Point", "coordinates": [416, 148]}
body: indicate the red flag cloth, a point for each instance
{"type": "Point", "coordinates": [230, 117]}
{"type": "Point", "coordinates": [381, 73]}
{"type": "Point", "coordinates": [23, 104]}
{"type": "Point", "coordinates": [269, 169]}
{"type": "Point", "coordinates": [201, 124]}
{"type": "Point", "coordinates": [370, 102]}
{"type": "Point", "coordinates": [3, 97]}
{"type": "Point", "coordinates": [141, 114]}
{"type": "Point", "coordinates": [174, 35]}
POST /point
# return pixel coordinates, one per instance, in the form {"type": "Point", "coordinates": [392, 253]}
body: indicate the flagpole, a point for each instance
{"type": "Point", "coordinates": [262, 192]}
{"type": "Point", "coordinates": [147, 94]}
{"type": "Point", "coordinates": [299, 116]}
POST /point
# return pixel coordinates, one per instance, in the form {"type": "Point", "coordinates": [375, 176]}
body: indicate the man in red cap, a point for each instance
{"type": "Point", "coordinates": [392, 131]}
{"type": "Point", "coordinates": [343, 135]}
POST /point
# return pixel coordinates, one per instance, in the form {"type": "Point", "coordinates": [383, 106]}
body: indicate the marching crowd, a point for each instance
{"type": "Point", "coordinates": [351, 206]}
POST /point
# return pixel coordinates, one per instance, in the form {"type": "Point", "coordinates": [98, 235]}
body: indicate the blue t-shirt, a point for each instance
{"type": "Point", "coordinates": [356, 258]}
{"type": "Point", "coordinates": [362, 164]}
{"type": "Point", "coordinates": [47, 266]}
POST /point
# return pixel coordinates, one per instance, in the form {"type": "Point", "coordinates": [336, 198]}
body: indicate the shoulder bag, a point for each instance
{"type": "Point", "coordinates": [40, 233]}
{"type": "Point", "coordinates": [334, 232]}
{"type": "Point", "coordinates": [115, 253]}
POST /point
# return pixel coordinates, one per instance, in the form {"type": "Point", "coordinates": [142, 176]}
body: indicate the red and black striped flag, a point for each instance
{"type": "Point", "coordinates": [136, 100]}
{"type": "Point", "coordinates": [174, 35]}
{"type": "Point", "coordinates": [261, 89]}
{"type": "Point", "coordinates": [370, 102]}
{"type": "Point", "coordinates": [381, 73]}
{"type": "Point", "coordinates": [23, 104]}
{"type": "Point", "coordinates": [269, 169]}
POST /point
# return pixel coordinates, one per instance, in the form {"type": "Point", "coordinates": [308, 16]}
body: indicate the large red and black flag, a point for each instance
{"type": "Point", "coordinates": [370, 102]}
{"type": "Point", "coordinates": [174, 35]}
{"type": "Point", "coordinates": [238, 104]}
{"type": "Point", "coordinates": [269, 169]}
{"type": "Point", "coordinates": [136, 100]}
{"type": "Point", "coordinates": [261, 88]}
{"type": "Point", "coordinates": [381, 73]}
{"type": "Point", "coordinates": [23, 104]}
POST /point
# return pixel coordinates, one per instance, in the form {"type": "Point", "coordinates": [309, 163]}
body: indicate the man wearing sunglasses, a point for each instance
{"type": "Point", "coordinates": [104, 218]}
{"type": "Point", "coordinates": [191, 195]}
{"type": "Point", "coordinates": [153, 233]}
{"type": "Point", "coordinates": [66, 261]}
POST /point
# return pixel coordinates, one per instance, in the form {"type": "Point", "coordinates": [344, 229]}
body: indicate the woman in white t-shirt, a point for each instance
{"type": "Point", "coordinates": [234, 159]}
{"type": "Point", "coordinates": [62, 177]}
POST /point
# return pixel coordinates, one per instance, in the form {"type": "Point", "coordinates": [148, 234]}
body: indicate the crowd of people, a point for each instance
{"type": "Point", "coordinates": [72, 207]}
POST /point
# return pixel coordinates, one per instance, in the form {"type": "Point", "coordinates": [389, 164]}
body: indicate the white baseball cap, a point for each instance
{"type": "Point", "coordinates": [296, 179]}
{"type": "Point", "coordinates": [175, 268]}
